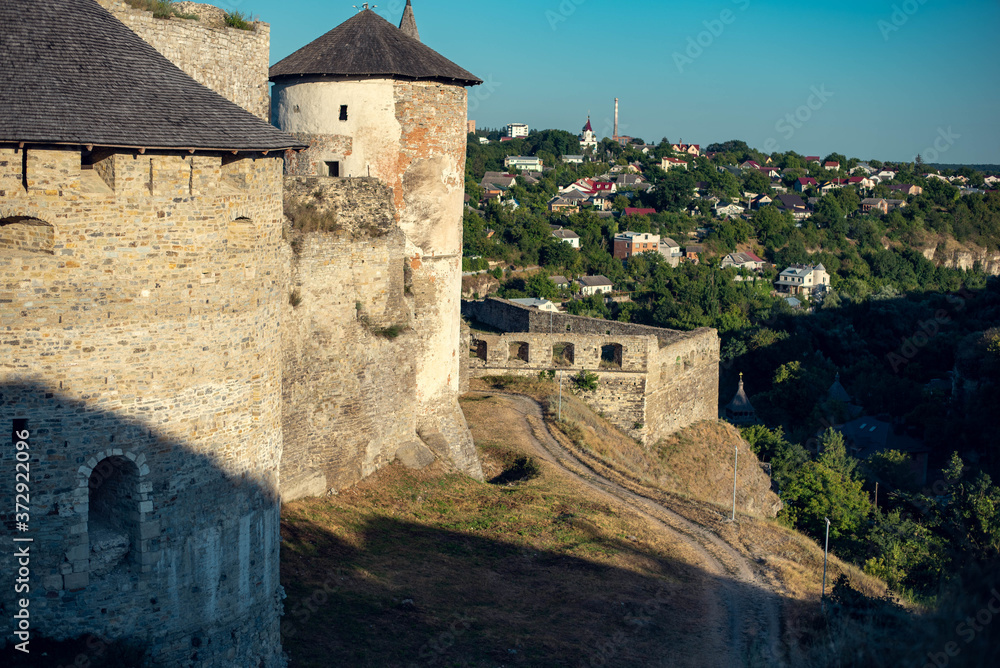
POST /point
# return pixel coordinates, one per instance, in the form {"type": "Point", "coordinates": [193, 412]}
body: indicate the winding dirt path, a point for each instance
{"type": "Point", "coordinates": [746, 623]}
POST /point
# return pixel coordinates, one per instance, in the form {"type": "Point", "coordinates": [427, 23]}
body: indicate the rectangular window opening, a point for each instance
{"type": "Point", "coordinates": [343, 112]}
{"type": "Point", "coordinates": [333, 168]}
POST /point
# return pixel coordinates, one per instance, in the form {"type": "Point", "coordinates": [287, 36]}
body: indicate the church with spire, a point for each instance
{"type": "Point", "coordinates": [740, 411]}
{"type": "Point", "coordinates": [588, 139]}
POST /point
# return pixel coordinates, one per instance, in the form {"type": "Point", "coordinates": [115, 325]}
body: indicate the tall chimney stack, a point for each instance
{"type": "Point", "coordinates": [616, 120]}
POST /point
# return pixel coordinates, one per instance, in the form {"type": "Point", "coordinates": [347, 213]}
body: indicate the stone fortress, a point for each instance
{"type": "Point", "coordinates": [652, 382]}
{"type": "Point", "coordinates": [184, 356]}
{"type": "Point", "coordinates": [184, 359]}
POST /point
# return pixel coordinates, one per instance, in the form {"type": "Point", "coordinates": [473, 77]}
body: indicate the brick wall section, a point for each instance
{"type": "Point", "coordinates": [145, 338]}
{"type": "Point", "coordinates": [668, 379]}
{"type": "Point", "coordinates": [232, 62]}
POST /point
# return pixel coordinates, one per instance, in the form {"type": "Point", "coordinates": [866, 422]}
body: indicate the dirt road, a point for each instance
{"type": "Point", "coordinates": [744, 616]}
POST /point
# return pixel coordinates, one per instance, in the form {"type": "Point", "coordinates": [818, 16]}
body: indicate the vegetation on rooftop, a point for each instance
{"type": "Point", "coordinates": [162, 9]}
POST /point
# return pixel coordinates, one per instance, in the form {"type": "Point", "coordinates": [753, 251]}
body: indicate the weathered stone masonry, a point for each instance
{"type": "Point", "coordinates": [230, 61]}
{"type": "Point", "coordinates": [141, 346]}
{"type": "Point", "coordinates": [653, 382]}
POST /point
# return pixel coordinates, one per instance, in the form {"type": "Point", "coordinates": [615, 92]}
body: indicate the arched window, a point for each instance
{"type": "Point", "coordinates": [563, 354]}
{"type": "Point", "coordinates": [23, 233]}
{"type": "Point", "coordinates": [518, 350]}
{"type": "Point", "coordinates": [113, 515]}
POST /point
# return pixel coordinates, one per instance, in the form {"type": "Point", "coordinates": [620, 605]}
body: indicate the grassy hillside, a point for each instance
{"type": "Point", "coordinates": [432, 568]}
{"type": "Point", "coordinates": [530, 569]}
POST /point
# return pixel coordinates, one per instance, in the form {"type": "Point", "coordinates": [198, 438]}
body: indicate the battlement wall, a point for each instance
{"type": "Point", "coordinates": [232, 62]}
{"type": "Point", "coordinates": [652, 382]}
{"type": "Point", "coordinates": [508, 316]}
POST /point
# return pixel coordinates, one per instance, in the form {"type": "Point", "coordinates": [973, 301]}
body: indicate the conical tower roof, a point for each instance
{"type": "Point", "coordinates": [838, 392]}
{"type": "Point", "coordinates": [740, 403]}
{"type": "Point", "coordinates": [587, 127]}
{"type": "Point", "coordinates": [366, 45]}
{"type": "Point", "coordinates": [408, 24]}
{"type": "Point", "coordinates": [73, 74]}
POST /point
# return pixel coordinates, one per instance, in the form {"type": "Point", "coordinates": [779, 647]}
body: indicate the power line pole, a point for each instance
{"type": "Point", "coordinates": [560, 394]}
{"type": "Point", "coordinates": [826, 554]}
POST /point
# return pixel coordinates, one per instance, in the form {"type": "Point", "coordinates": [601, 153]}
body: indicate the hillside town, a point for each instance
{"type": "Point", "coordinates": [625, 173]}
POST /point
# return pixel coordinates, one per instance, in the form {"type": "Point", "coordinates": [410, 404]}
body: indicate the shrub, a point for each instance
{"type": "Point", "coordinates": [585, 380]}
{"type": "Point", "coordinates": [162, 9]}
{"type": "Point", "coordinates": [239, 20]}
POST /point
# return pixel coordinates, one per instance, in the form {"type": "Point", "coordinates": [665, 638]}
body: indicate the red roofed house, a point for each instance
{"type": "Point", "coordinates": [633, 211]}
{"type": "Point", "coordinates": [804, 183]}
{"type": "Point", "coordinates": [813, 158]}
{"type": "Point", "coordinates": [669, 163]}
{"type": "Point", "coordinates": [690, 149]}
{"type": "Point", "coordinates": [835, 166]}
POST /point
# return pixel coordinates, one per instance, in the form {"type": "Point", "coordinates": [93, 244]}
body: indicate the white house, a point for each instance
{"type": "Point", "coordinates": [801, 279]}
{"type": "Point", "coordinates": [573, 159]}
{"type": "Point", "coordinates": [540, 304]}
{"type": "Point", "coordinates": [667, 163]}
{"type": "Point", "coordinates": [747, 261]}
{"type": "Point", "coordinates": [525, 163]}
{"type": "Point", "coordinates": [567, 236]}
{"type": "Point", "coordinates": [517, 130]}
{"type": "Point", "coordinates": [671, 250]}
{"type": "Point", "coordinates": [592, 285]}
{"type": "Point", "coordinates": [724, 210]}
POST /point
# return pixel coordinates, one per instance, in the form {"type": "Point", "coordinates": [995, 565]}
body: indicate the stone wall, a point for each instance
{"type": "Point", "coordinates": [232, 62]}
{"type": "Point", "coordinates": [410, 135]}
{"type": "Point", "coordinates": [652, 382]}
{"type": "Point", "coordinates": [510, 317]}
{"type": "Point", "coordinates": [351, 394]}
{"type": "Point", "coordinates": [141, 352]}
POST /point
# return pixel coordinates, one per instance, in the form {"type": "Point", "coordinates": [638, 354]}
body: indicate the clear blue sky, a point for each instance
{"type": "Point", "coordinates": [894, 76]}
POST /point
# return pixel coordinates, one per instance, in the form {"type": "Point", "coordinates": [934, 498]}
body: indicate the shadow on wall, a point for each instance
{"type": "Point", "coordinates": [138, 541]}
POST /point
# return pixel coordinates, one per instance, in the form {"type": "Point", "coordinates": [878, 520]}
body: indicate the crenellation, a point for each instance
{"type": "Point", "coordinates": [652, 382]}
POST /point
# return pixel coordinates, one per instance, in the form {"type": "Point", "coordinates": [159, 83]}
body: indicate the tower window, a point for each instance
{"type": "Point", "coordinates": [333, 169]}
{"type": "Point", "coordinates": [343, 112]}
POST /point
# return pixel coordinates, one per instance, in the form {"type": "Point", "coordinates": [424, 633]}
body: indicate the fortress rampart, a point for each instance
{"type": "Point", "coordinates": [652, 382]}
{"type": "Point", "coordinates": [141, 301]}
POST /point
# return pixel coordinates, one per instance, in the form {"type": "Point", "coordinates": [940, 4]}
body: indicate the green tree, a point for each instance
{"type": "Point", "coordinates": [815, 492]}
{"type": "Point", "coordinates": [833, 453]}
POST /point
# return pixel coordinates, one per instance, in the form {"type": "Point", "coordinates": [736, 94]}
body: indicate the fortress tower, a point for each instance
{"type": "Point", "coordinates": [140, 300]}
{"type": "Point", "coordinates": [370, 100]}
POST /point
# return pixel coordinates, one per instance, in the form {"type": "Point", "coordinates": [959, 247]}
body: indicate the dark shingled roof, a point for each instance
{"type": "Point", "coordinates": [368, 45]}
{"type": "Point", "coordinates": [71, 73]}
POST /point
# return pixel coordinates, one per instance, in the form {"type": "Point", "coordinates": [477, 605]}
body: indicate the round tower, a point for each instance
{"type": "Point", "coordinates": [370, 99]}
{"type": "Point", "coordinates": [140, 267]}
